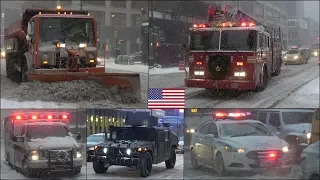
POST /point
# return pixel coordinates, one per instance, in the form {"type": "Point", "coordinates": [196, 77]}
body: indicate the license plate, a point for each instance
{"type": "Point", "coordinates": [215, 84]}
{"type": "Point", "coordinates": [267, 163]}
{"type": "Point", "coordinates": [234, 85]}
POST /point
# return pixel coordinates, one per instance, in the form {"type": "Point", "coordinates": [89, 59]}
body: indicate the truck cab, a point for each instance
{"type": "Point", "coordinates": [41, 144]}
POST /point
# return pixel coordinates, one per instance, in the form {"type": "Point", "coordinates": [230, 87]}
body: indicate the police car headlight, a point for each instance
{"type": "Point", "coordinates": [192, 130]}
{"type": "Point", "coordinates": [34, 155]}
{"type": "Point", "coordinates": [105, 150]}
{"type": "Point", "coordinates": [128, 152]}
{"type": "Point", "coordinates": [78, 154]}
{"type": "Point", "coordinates": [285, 149]}
{"type": "Point", "coordinates": [91, 149]}
{"type": "Point", "coordinates": [295, 57]}
{"type": "Point", "coordinates": [231, 149]}
{"type": "Point", "coordinates": [309, 135]}
{"type": "Point", "coordinates": [285, 57]}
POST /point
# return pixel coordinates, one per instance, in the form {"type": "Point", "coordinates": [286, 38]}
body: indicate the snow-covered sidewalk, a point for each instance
{"type": "Point", "coordinates": [138, 67]}
{"type": "Point", "coordinates": [171, 70]}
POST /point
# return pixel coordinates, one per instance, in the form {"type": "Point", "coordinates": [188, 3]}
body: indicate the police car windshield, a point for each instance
{"type": "Point", "coordinates": [204, 40]}
{"type": "Point", "coordinates": [244, 129]}
{"type": "Point", "coordinates": [137, 133]}
{"type": "Point", "coordinates": [293, 51]}
{"type": "Point", "coordinates": [43, 131]}
{"type": "Point", "coordinates": [239, 40]}
{"type": "Point", "coordinates": [95, 138]}
{"type": "Point", "coordinates": [297, 117]}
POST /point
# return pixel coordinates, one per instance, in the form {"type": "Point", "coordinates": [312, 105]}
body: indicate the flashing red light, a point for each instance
{"type": "Point", "coordinates": [18, 117]}
{"type": "Point", "coordinates": [272, 155]}
{"type": "Point", "coordinates": [239, 63]}
{"type": "Point", "coordinates": [200, 25]}
{"type": "Point", "coordinates": [318, 38]}
{"type": "Point", "coordinates": [65, 117]}
{"type": "Point", "coordinates": [237, 114]}
{"type": "Point", "coordinates": [199, 63]}
{"type": "Point", "coordinates": [34, 117]}
{"type": "Point", "coordinates": [247, 24]}
{"type": "Point", "coordinates": [221, 114]}
{"type": "Point", "coordinates": [49, 116]}
{"type": "Point", "coordinates": [243, 24]}
{"type": "Point", "coordinates": [251, 24]}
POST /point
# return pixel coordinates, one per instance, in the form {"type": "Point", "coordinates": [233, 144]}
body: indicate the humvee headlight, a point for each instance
{"type": "Point", "coordinates": [309, 135]}
{"type": "Point", "coordinates": [105, 150]}
{"type": "Point", "coordinates": [128, 151]}
{"type": "Point", "coordinates": [78, 154]}
{"type": "Point", "coordinates": [139, 149]}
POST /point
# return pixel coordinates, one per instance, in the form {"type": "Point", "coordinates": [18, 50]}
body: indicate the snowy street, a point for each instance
{"type": "Point", "coordinates": [206, 172]}
{"type": "Point", "coordinates": [159, 171]}
{"type": "Point", "coordinates": [297, 86]}
{"type": "Point", "coordinates": [7, 86]}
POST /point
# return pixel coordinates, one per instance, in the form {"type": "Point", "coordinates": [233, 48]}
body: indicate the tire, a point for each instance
{"type": "Point", "coordinates": [145, 166]}
{"type": "Point", "coordinates": [315, 177]}
{"type": "Point", "coordinates": [98, 167]}
{"type": "Point", "coordinates": [77, 170]}
{"type": "Point", "coordinates": [219, 165]}
{"type": "Point", "coordinates": [170, 163]}
{"type": "Point", "coordinates": [262, 86]}
{"type": "Point", "coordinates": [9, 68]}
{"type": "Point", "coordinates": [24, 70]}
{"type": "Point", "coordinates": [194, 160]}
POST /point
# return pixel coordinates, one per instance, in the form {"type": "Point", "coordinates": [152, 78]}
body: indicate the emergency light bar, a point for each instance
{"type": "Point", "coordinates": [201, 26]}
{"type": "Point", "coordinates": [49, 116]}
{"type": "Point", "coordinates": [233, 24]}
{"type": "Point", "coordinates": [225, 115]}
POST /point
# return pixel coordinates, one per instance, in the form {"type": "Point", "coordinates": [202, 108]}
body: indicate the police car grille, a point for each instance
{"type": "Point", "coordinates": [260, 155]}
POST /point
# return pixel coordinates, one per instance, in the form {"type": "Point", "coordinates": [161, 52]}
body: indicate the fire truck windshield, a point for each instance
{"type": "Point", "coordinates": [43, 131]}
{"type": "Point", "coordinates": [74, 30]}
{"type": "Point", "coordinates": [238, 40]}
{"type": "Point", "coordinates": [204, 40]}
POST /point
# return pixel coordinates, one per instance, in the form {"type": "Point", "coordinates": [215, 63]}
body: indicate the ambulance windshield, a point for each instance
{"type": "Point", "coordinates": [43, 131]}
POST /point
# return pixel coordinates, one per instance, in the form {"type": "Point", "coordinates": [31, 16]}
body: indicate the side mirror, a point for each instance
{"type": "Point", "coordinates": [17, 138]}
{"type": "Point", "coordinates": [78, 136]}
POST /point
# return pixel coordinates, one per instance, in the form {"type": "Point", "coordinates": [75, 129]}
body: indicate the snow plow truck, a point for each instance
{"type": "Point", "coordinates": [51, 45]}
{"type": "Point", "coordinates": [232, 52]}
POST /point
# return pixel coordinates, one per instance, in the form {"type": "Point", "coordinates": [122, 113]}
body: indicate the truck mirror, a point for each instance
{"type": "Point", "coordinates": [17, 138]}
{"type": "Point", "coordinates": [78, 136]}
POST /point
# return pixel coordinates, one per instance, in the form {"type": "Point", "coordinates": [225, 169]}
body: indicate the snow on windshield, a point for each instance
{"type": "Point", "coordinates": [244, 129]}
{"type": "Point", "coordinates": [297, 117]}
{"type": "Point", "coordinates": [43, 131]}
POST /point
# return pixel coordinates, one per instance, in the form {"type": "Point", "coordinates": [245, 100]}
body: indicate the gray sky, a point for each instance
{"type": "Point", "coordinates": [311, 9]}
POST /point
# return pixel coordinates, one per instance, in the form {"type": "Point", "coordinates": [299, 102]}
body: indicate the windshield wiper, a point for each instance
{"type": "Point", "coordinates": [245, 134]}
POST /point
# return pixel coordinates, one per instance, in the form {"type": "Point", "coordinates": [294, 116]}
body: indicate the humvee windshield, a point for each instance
{"type": "Point", "coordinates": [133, 133]}
{"type": "Point", "coordinates": [43, 131]}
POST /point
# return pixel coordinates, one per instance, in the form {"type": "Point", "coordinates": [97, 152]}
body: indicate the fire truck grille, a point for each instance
{"type": "Point", "coordinates": [219, 65]}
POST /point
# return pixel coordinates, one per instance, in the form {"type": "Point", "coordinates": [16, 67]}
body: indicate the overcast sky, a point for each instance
{"type": "Point", "coordinates": [311, 9]}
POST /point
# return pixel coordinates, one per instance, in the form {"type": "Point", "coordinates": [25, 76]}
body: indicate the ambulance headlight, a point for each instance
{"type": "Point", "coordinates": [34, 155]}
{"type": "Point", "coordinates": [285, 149]}
{"type": "Point", "coordinates": [295, 57]}
{"type": "Point", "coordinates": [128, 152]}
{"type": "Point", "coordinates": [199, 73]}
{"type": "Point", "coordinates": [105, 150]}
{"type": "Point", "coordinates": [309, 135]}
{"type": "Point", "coordinates": [78, 154]}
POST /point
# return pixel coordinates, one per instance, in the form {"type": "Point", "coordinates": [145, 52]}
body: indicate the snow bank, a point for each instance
{"type": "Point", "coordinates": [137, 67]}
{"type": "Point", "coordinates": [166, 70]}
{"type": "Point", "coordinates": [71, 91]}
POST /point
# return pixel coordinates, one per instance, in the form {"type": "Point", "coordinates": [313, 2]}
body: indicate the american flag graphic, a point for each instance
{"type": "Point", "coordinates": [168, 98]}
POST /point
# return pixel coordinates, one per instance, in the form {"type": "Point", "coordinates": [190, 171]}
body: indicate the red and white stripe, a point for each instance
{"type": "Point", "coordinates": [171, 99]}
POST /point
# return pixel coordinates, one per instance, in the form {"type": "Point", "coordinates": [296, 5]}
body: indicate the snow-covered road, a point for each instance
{"type": "Point", "coordinates": [206, 172]}
{"type": "Point", "coordinates": [159, 171]}
{"type": "Point", "coordinates": [8, 86]}
{"type": "Point", "coordinates": [297, 86]}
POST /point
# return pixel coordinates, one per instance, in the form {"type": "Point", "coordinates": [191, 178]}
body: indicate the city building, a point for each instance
{"type": "Point", "coordinates": [313, 30]}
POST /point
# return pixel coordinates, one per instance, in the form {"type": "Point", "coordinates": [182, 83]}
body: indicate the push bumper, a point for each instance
{"type": "Point", "coordinates": [220, 84]}
{"type": "Point", "coordinates": [54, 166]}
{"type": "Point", "coordinates": [119, 161]}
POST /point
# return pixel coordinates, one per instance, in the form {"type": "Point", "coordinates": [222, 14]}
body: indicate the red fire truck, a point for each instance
{"type": "Point", "coordinates": [232, 51]}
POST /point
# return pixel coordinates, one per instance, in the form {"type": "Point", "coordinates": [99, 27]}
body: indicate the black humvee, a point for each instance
{"type": "Point", "coordinates": [138, 147]}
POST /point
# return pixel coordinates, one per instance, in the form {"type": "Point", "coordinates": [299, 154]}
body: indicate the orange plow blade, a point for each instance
{"type": "Point", "coordinates": [129, 81]}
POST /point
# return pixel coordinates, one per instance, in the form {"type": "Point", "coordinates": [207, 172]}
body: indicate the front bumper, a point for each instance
{"type": "Point", "coordinates": [119, 161]}
{"type": "Point", "coordinates": [292, 61]}
{"type": "Point", "coordinates": [220, 84]}
{"type": "Point", "coordinates": [54, 165]}
{"type": "Point", "coordinates": [239, 162]}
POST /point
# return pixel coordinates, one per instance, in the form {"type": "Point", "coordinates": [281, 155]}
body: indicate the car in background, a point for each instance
{"type": "Point", "coordinates": [180, 148]}
{"type": "Point", "coordinates": [309, 167]}
{"type": "Point", "coordinates": [93, 140]}
{"type": "Point", "coordinates": [232, 144]}
{"type": "Point", "coordinates": [295, 56]}
{"type": "Point", "coordinates": [315, 50]}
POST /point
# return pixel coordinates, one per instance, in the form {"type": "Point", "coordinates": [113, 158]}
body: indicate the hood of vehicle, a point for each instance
{"type": "Point", "coordinates": [299, 128]}
{"type": "Point", "coordinates": [255, 142]}
{"type": "Point", "coordinates": [126, 144]}
{"type": "Point", "coordinates": [91, 144]}
{"type": "Point", "coordinates": [53, 143]}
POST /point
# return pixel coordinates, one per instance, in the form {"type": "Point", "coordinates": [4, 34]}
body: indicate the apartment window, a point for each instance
{"type": "Point", "coordinates": [119, 4]}
{"type": "Point", "coordinates": [276, 16]}
{"type": "Point", "coordinates": [259, 10]}
{"type": "Point", "coordinates": [136, 20]}
{"type": "Point", "coordinates": [292, 23]}
{"type": "Point", "coordinates": [118, 19]}
{"type": "Point", "coordinates": [99, 15]}
{"type": "Point", "coordinates": [93, 2]}
{"type": "Point", "coordinates": [269, 13]}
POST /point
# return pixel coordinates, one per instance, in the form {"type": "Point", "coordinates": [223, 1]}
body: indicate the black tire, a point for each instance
{"type": "Point", "coordinates": [98, 167]}
{"type": "Point", "coordinates": [170, 163]}
{"type": "Point", "coordinates": [194, 160]}
{"type": "Point", "coordinates": [77, 170]}
{"type": "Point", "coordinates": [219, 165]}
{"type": "Point", "coordinates": [262, 86]}
{"type": "Point", "coordinates": [145, 166]}
{"type": "Point", "coordinates": [315, 177]}
{"type": "Point", "coordinates": [9, 68]}
{"type": "Point", "coordinates": [24, 70]}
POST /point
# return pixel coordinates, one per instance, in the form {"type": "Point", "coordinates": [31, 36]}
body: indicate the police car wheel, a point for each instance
{"type": "Point", "coordinates": [98, 167]}
{"type": "Point", "coordinates": [194, 161]}
{"type": "Point", "coordinates": [170, 163]}
{"type": "Point", "coordinates": [145, 166]}
{"type": "Point", "coordinates": [219, 165]}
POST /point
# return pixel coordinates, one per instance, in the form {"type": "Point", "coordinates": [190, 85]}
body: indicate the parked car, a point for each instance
{"type": "Point", "coordinates": [309, 167]}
